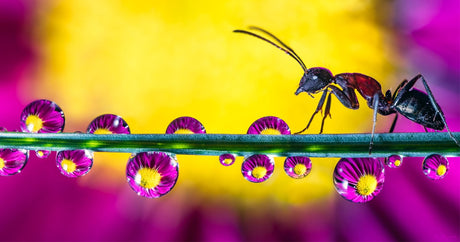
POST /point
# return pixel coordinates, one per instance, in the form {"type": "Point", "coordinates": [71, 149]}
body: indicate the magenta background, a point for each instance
{"type": "Point", "coordinates": [41, 204]}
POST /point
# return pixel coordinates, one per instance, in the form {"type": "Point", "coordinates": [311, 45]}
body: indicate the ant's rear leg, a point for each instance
{"type": "Point", "coordinates": [375, 105]}
{"type": "Point", "coordinates": [318, 108]}
{"type": "Point", "coordinates": [393, 124]}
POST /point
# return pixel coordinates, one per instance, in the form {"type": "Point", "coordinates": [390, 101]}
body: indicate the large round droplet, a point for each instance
{"type": "Point", "coordinates": [269, 125]}
{"type": "Point", "coordinates": [257, 168]}
{"type": "Point", "coordinates": [359, 179]}
{"type": "Point", "coordinates": [42, 116]}
{"type": "Point", "coordinates": [393, 161]}
{"type": "Point", "coordinates": [435, 166]}
{"type": "Point", "coordinates": [185, 125]}
{"type": "Point", "coordinates": [152, 174]}
{"type": "Point", "coordinates": [12, 161]}
{"type": "Point", "coordinates": [74, 163]}
{"type": "Point", "coordinates": [108, 124]}
{"type": "Point", "coordinates": [297, 166]}
{"type": "Point", "coordinates": [227, 159]}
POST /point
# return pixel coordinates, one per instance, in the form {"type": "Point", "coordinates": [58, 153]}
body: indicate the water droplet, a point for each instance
{"type": "Point", "coordinates": [269, 125]}
{"type": "Point", "coordinates": [257, 168]}
{"type": "Point", "coordinates": [12, 161]}
{"type": "Point", "coordinates": [152, 174]}
{"type": "Point", "coordinates": [108, 124]}
{"type": "Point", "coordinates": [435, 166]}
{"type": "Point", "coordinates": [185, 125]}
{"type": "Point", "coordinates": [359, 179]}
{"type": "Point", "coordinates": [394, 161]}
{"type": "Point", "coordinates": [43, 154]}
{"type": "Point", "coordinates": [74, 163]}
{"type": "Point", "coordinates": [227, 159]}
{"type": "Point", "coordinates": [42, 116]}
{"type": "Point", "coordinates": [297, 166]}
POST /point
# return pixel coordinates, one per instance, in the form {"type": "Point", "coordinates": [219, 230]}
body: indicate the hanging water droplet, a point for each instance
{"type": "Point", "coordinates": [43, 154]}
{"type": "Point", "coordinates": [257, 168]}
{"type": "Point", "coordinates": [12, 161]}
{"type": "Point", "coordinates": [435, 166]}
{"type": "Point", "coordinates": [227, 159]}
{"type": "Point", "coordinates": [42, 116]}
{"type": "Point", "coordinates": [394, 161]}
{"type": "Point", "coordinates": [74, 163]}
{"type": "Point", "coordinates": [359, 179]}
{"type": "Point", "coordinates": [297, 166]}
{"type": "Point", "coordinates": [152, 174]}
{"type": "Point", "coordinates": [108, 124]}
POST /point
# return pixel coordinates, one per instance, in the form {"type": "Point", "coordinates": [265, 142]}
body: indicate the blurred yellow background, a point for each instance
{"type": "Point", "coordinates": [153, 61]}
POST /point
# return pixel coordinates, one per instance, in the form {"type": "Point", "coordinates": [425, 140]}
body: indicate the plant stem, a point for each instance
{"type": "Point", "coordinates": [324, 145]}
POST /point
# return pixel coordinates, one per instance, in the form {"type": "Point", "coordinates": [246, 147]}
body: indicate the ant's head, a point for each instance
{"type": "Point", "coordinates": [314, 80]}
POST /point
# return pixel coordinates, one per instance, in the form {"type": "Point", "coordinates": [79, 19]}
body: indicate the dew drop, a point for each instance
{"type": "Point", "coordinates": [435, 166]}
{"type": "Point", "coordinates": [359, 179]}
{"type": "Point", "coordinates": [185, 125]}
{"type": "Point", "coordinates": [269, 125]}
{"type": "Point", "coordinates": [297, 166]}
{"type": "Point", "coordinates": [74, 163]}
{"type": "Point", "coordinates": [227, 159]}
{"type": "Point", "coordinates": [42, 116]}
{"type": "Point", "coordinates": [394, 161]}
{"type": "Point", "coordinates": [108, 124]}
{"type": "Point", "coordinates": [43, 154]}
{"type": "Point", "coordinates": [12, 161]}
{"type": "Point", "coordinates": [257, 168]}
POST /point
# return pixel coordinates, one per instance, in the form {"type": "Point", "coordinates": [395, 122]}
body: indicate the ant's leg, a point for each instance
{"type": "Point", "coordinates": [376, 102]}
{"type": "Point", "coordinates": [393, 124]}
{"type": "Point", "coordinates": [435, 105]}
{"type": "Point", "coordinates": [327, 110]}
{"type": "Point", "coordinates": [347, 97]}
{"type": "Point", "coordinates": [318, 108]}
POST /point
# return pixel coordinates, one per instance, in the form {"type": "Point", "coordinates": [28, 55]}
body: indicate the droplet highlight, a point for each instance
{"type": "Point", "coordinates": [435, 166]}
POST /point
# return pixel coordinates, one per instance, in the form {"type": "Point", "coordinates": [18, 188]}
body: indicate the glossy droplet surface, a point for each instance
{"type": "Point", "coordinates": [257, 168]}
{"type": "Point", "coordinates": [74, 163]}
{"type": "Point", "coordinates": [269, 125]}
{"type": "Point", "coordinates": [297, 166]}
{"type": "Point", "coordinates": [394, 161]}
{"type": "Point", "coordinates": [227, 159]}
{"type": "Point", "coordinates": [12, 161]}
{"type": "Point", "coordinates": [43, 154]}
{"type": "Point", "coordinates": [359, 179]}
{"type": "Point", "coordinates": [435, 166]}
{"type": "Point", "coordinates": [185, 125]}
{"type": "Point", "coordinates": [42, 116]}
{"type": "Point", "coordinates": [152, 174]}
{"type": "Point", "coordinates": [108, 124]}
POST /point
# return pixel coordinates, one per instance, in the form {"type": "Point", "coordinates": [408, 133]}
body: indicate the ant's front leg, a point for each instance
{"type": "Point", "coordinates": [318, 108]}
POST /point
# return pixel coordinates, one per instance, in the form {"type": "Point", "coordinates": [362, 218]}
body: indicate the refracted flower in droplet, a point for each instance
{"type": "Point", "coordinates": [152, 174]}
{"type": "Point", "coordinates": [108, 124]}
{"type": "Point", "coordinates": [269, 125]}
{"type": "Point", "coordinates": [74, 163]}
{"type": "Point", "coordinates": [227, 159]}
{"type": "Point", "coordinates": [359, 179]}
{"type": "Point", "coordinates": [297, 166]}
{"type": "Point", "coordinates": [12, 161]}
{"type": "Point", "coordinates": [257, 168]}
{"type": "Point", "coordinates": [394, 161]}
{"type": "Point", "coordinates": [185, 125]}
{"type": "Point", "coordinates": [435, 166]}
{"type": "Point", "coordinates": [42, 116]}
{"type": "Point", "coordinates": [43, 154]}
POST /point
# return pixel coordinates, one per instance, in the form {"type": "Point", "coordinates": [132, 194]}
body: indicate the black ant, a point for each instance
{"type": "Point", "coordinates": [415, 105]}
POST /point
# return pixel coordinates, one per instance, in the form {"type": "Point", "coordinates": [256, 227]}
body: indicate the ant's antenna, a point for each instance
{"type": "Point", "coordinates": [287, 50]}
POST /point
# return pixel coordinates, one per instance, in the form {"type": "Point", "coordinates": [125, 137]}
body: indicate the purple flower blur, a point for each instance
{"type": "Point", "coordinates": [12, 161]}
{"type": "Point", "coordinates": [152, 174]}
{"type": "Point", "coordinates": [257, 168]}
{"type": "Point", "coordinates": [42, 116]}
{"type": "Point", "coordinates": [393, 161]}
{"type": "Point", "coordinates": [74, 163]}
{"type": "Point", "coordinates": [227, 159]}
{"type": "Point", "coordinates": [269, 125]}
{"type": "Point", "coordinates": [359, 179]}
{"type": "Point", "coordinates": [435, 166]}
{"type": "Point", "coordinates": [185, 125]}
{"type": "Point", "coordinates": [108, 124]}
{"type": "Point", "coordinates": [297, 166]}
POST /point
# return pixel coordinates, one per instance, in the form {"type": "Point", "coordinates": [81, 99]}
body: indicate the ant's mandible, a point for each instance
{"type": "Point", "coordinates": [415, 105]}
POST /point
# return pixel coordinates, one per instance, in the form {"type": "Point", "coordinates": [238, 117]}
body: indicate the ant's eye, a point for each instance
{"type": "Point", "coordinates": [314, 77]}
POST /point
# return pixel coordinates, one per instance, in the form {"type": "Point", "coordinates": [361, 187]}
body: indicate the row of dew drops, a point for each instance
{"type": "Point", "coordinates": [154, 174]}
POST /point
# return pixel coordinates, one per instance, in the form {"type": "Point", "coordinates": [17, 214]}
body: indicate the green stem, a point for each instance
{"type": "Point", "coordinates": [324, 145]}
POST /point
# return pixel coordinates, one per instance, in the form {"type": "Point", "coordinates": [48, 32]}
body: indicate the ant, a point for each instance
{"type": "Point", "coordinates": [415, 105]}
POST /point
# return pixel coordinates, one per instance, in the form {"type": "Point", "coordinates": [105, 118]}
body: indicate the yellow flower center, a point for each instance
{"type": "Point", "coordinates": [442, 169]}
{"type": "Point", "coordinates": [68, 165]}
{"type": "Point", "coordinates": [270, 131]}
{"type": "Point", "coordinates": [366, 185]}
{"type": "Point", "coordinates": [259, 172]}
{"type": "Point", "coordinates": [397, 162]}
{"type": "Point", "coordinates": [34, 123]}
{"type": "Point", "coordinates": [102, 131]}
{"type": "Point", "coordinates": [2, 163]}
{"type": "Point", "coordinates": [184, 131]}
{"type": "Point", "coordinates": [300, 169]}
{"type": "Point", "coordinates": [228, 161]}
{"type": "Point", "coordinates": [148, 178]}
